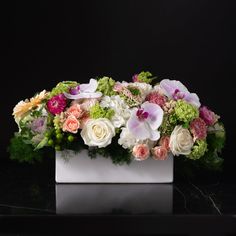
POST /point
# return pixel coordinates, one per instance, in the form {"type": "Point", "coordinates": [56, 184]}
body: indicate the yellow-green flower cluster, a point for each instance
{"type": "Point", "coordinates": [198, 150]}
{"type": "Point", "coordinates": [145, 77]}
{"type": "Point", "coordinates": [105, 86]}
{"type": "Point", "coordinates": [185, 112]}
{"type": "Point", "coordinates": [97, 111]}
{"type": "Point", "coordinates": [62, 87]}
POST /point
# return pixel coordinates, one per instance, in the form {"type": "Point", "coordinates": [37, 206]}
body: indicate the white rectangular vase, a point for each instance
{"type": "Point", "coordinates": [74, 167]}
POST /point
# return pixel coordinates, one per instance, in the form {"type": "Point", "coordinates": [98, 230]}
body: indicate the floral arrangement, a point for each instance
{"type": "Point", "coordinates": [125, 121]}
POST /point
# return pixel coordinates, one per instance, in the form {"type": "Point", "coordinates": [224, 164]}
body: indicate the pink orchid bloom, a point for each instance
{"type": "Point", "coordinates": [176, 90]}
{"type": "Point", "coordinates": [86, 91]}
{"type": "Point", "coordinates": [144, 122]}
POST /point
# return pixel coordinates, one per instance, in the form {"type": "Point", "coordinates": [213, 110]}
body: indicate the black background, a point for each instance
{"type": "Point", "coordinates": [192, 41]}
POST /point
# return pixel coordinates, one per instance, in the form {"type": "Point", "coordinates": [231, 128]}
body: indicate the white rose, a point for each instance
{"type": "Point", "coordinates": [98, 132]}
{"type": "Point", "coordinates": [181, 141]}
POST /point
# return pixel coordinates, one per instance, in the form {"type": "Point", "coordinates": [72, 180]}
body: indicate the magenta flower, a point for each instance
{"type": "Point", "coordinates": [198, 128]}
{"type": "Point", "coordinates": [56, 104]}
{"type": "Point", "coordinates": [176, 90]}
{"type": "Point", "coordinates": [157, 98]}
{"type": "Point", "coordinates": [208, 116]}
{"type": "Point", "coordinates": [85, 91]}
{"type": "Point", "coordinates": [144, 122]}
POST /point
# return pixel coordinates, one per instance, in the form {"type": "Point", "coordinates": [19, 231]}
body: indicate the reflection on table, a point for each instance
{"type": "Point", "coordinates": [114, 198]}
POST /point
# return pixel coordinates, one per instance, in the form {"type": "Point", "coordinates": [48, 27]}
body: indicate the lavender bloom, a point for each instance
{"type": "Point", "coordinates": [39, 125]}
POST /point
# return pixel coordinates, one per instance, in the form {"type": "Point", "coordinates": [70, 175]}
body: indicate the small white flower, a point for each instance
{"type": "Point", "coordinates": [98, 132]}
{"type": "Point", "coordinates": [121, 109]}
{"type": "Point", "coordinates": [181, 141]}
{"type": "Point", "coordinates": [128, 141]}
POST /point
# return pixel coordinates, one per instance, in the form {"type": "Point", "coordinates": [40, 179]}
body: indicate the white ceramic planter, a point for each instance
{"type": "Point", "coordinates": [80, 168]}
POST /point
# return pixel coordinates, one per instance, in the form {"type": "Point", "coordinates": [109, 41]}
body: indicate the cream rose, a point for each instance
{"type": "Point", "coordinates": [181, 141]}
{"type": "Point", "coordinates": [98, 132]}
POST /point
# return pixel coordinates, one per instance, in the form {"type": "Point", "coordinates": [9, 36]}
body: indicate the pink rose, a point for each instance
{"type": "Point", "coordinates": [164, 142]}
{"type": "Point", "coordinates": [141, 152]}
{"type": "Point", "coordinates": [71, 124]}
{"type": "Point", "coordinates": [208, 116]}
{"type": "Point", "coordinates": [159, 153]}
{"type": "Point", "coordinates": [75, 110]}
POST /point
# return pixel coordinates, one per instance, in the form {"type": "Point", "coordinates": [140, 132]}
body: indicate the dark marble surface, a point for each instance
{"type": "Point", "coordinates": [29, 192]}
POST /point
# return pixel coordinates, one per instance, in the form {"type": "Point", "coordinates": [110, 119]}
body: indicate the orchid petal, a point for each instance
{"type": "Point", "coordinates": [83, 95]}
{"type": "Point", "coordinates": [139, 130]}
{"type": "Point", "coordinates": [169, 87]}
{"type": "Point", "coordinates": [155, 135]}
{"type": "Point", "coordinates": [155, 114]}
{"type": "Point", "coordinates": [90, 87]}
{"type": "Point", "coordinates": [193, 99]}
{"type": "Point", "coordinates": [90, 95]}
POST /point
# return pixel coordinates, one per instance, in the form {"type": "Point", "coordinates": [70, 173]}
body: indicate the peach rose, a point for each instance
{"type": "Point", "coordinates": [71, 124]}
{"type": "Point", "coordinates": [75, 110]}
{"type": "Point", "coordinates": [141, 152]}
{"type": "Point", "coordinates": [165, 142]}
{"type": "Point", "coordinates": [159, 153]}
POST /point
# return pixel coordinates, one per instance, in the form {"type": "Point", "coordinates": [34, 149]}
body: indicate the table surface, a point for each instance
{"type": "Point", "coordinates": [29, 195]}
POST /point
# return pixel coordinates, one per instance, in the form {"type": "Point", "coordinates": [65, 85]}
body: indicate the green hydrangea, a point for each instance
{"type": "Point", "coordinates": [62, 87]}
{"type": "Point", "coordinates": [145, 77]}
{"type": "Point", "coordinates": [198, 150]}
{"type": "Point", "coordinates": [97, 111]}
{"type": "Point", "coordinates": [105, 86]}
{"type": "Point", "coordinates": [185, 112]}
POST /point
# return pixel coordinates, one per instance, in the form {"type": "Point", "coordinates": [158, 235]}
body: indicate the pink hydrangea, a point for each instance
{"type": "Point", "coordinates": [198, 128]}
{"type": "Point", "coordinates": [157, 98]}
{"type": "Point", "coordinates": [56, 104]}
{"type": "Point", "coordinates": [208, 116]}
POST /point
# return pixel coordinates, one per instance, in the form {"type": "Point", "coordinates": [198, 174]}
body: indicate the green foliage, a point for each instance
{"type": "Point", "coordinates": [97, 111]}
{"type": "Point", "coordinates": [23, 152]}
{"type": "Point", "coordinates": [134, 91]}
{"type": "Point", "coordinates": [105, 86]}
